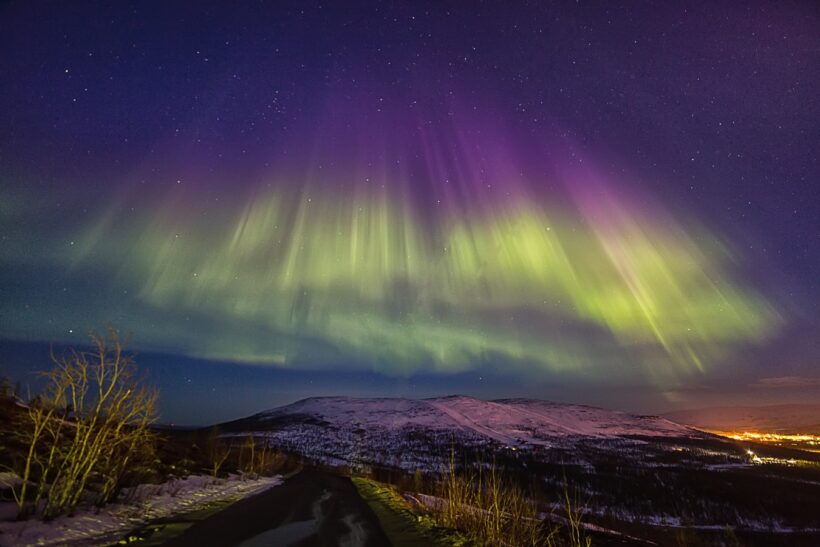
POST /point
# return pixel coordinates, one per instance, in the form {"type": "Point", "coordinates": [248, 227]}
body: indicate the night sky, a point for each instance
{"type": "Point", "coordinates": [560, 200]}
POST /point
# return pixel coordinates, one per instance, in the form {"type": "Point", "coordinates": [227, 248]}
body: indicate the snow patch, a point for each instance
{"type": "Point", "coordinates": [91, 527]}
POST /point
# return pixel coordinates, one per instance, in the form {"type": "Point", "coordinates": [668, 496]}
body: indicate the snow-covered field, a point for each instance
{"type": "Point", "coordinates": [106, 526]}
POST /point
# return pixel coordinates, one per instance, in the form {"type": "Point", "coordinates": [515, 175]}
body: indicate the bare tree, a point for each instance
{"type": "Point", "coordinates": [42, 439]}
{"type": "Point", "coordinates": [257, 458]}
{"type": "Point", "coordinates": [92, 421]}
{"type": "Point", "coordinates": [247, 456]}
{"type": "Point", "coordinates": [217, 451]}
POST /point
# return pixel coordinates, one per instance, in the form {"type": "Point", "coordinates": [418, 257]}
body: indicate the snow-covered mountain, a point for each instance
{"type": "Point", "coordinates": [406, 432]}
{"type": "Point", "coordinates": [508, 421]}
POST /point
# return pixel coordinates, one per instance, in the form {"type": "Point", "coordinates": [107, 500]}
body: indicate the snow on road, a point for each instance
{"type": "Point", "coordinates": [88, 527]}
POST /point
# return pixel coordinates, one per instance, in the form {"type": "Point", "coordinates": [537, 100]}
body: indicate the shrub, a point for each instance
{"type": "Point", "coordinates": [91, 424]}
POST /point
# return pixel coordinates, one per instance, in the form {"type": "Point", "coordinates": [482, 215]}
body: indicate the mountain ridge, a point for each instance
{"type": "Point", "coordinates": [516, 421]}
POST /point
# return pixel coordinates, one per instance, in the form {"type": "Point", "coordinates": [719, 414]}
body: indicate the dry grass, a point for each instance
{"type": "Point", "coordinates": [490, 509]}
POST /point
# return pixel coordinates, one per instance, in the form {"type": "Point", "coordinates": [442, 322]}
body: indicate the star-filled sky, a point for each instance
{"type": "Point", "coordinates": [617, 206]}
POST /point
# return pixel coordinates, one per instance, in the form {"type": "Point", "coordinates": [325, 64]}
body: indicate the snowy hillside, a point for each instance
{"type": "Point", "coordinates": [408, 432]}
{"type": "Point", "coordinates": [509, 421]}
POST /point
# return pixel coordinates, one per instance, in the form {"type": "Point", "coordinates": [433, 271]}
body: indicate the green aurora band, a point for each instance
{"type": "Point", "coordinates": [365, 279]}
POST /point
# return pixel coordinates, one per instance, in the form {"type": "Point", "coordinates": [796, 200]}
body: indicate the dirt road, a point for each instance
{"type": "Point", "coordinates": [312, 508]}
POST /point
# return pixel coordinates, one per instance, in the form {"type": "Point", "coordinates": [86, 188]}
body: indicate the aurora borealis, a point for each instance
{"type": "Point", "coordinates": [360, 270]}
{"type": "Point", "coordinates": [564, 193]}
